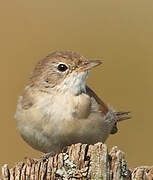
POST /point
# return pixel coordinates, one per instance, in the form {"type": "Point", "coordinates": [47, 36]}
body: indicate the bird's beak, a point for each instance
{"type": "Point", "coordinates": [89, 64]}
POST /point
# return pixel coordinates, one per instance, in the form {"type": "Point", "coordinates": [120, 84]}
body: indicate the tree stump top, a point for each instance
{"type": "Point", "coordinates": [79, 161]}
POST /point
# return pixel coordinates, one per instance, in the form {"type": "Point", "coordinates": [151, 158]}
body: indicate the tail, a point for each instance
{"type": "Point", "coordinates": [121, 116]}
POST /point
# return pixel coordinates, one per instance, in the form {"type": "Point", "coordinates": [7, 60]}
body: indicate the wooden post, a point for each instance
{"type": "Point", "coordinates": [79, 161]}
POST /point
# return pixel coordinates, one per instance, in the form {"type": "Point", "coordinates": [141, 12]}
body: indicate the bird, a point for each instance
{"type": "Point", "coordinates": [58, 109]}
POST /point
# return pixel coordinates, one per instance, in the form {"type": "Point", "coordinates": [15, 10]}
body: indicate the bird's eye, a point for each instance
{"type": "Point", "coordinates": [62, 67]}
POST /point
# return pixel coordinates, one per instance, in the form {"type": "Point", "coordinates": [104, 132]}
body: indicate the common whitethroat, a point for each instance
{"type": "Point", "coordinates": [58, 108]}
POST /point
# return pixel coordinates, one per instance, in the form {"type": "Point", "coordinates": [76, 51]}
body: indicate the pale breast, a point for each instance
{"type": "Point", "coordinates": [61, 119]}
{"type": "Point", "coordinates": [68, 106]}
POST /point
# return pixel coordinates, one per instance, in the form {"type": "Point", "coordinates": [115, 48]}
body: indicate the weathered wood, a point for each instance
{"type": "Point", "coordinates": [79, 161]}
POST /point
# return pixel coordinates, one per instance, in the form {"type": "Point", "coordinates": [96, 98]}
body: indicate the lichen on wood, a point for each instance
{"type": "Point", "coordinates": [79, 161]}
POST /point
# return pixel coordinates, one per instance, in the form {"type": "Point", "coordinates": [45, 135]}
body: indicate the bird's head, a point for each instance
{"type": "Point", "coordinates": [62, 70]}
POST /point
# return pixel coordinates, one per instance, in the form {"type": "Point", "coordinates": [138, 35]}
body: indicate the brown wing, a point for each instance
{"type": "Point", "coordinates": [120, 115]}
{"type": "Point", "coordinates": [102, 105]}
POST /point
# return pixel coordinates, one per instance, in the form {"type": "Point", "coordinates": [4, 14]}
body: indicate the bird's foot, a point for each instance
{"type": "Point", "coordinates": [46, 156]}
{"type": "Point", "coordinates": [43, 158]}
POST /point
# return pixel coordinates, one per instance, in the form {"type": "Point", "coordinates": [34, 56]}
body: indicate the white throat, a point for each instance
{"type": "Point", "coordinates": [75, 82]}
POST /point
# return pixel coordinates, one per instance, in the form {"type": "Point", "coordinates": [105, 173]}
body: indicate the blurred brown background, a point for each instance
{"type": "Point", "coordinates": [120, 32]}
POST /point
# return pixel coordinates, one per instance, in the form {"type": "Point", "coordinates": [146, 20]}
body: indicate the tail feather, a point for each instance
{"type": "Point", "coordinates": [121, 116]}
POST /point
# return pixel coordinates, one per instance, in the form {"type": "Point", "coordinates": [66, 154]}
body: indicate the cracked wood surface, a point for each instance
{"type": "Point", "coordinates": [79, 161]}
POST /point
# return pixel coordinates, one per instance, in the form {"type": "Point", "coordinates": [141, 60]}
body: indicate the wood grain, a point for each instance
{"type": "Point", "coordinates": [79, 161]}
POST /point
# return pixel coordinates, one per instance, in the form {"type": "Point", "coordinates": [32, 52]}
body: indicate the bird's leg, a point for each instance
{"type": "Point", "coordinates": [43, 158]}
{"type": "Point", "coordinates": [46, 156]}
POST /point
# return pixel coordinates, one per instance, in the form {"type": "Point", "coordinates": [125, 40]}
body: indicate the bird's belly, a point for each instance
{"type": "Point", "coordinates": [51, 126]}
{"type": "Point", "coordinates": [53, 136]}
